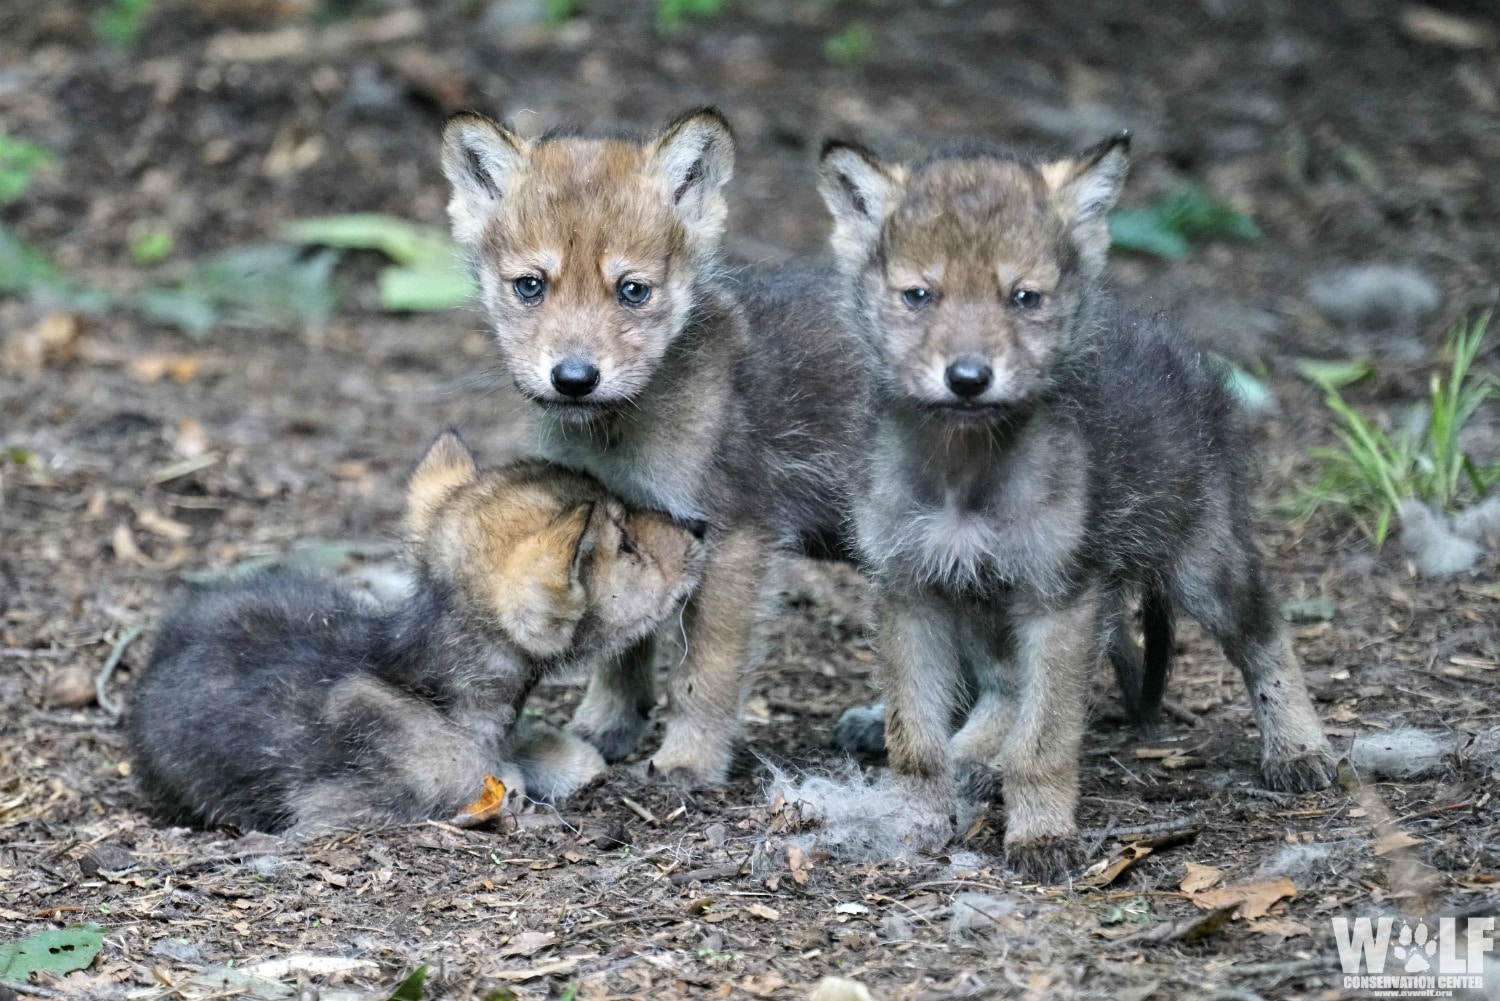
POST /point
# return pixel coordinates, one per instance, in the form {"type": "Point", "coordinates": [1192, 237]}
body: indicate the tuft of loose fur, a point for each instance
{"type": "Point", "coordinates": [285, 701]}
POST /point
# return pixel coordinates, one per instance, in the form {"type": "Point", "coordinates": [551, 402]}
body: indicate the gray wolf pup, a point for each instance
{"type": "Point", "coordinates": [717, 395]}
{"type": "Point", "coordinates": [284, 701]}
{"type": "Point", "coordinates": [1043, 458]}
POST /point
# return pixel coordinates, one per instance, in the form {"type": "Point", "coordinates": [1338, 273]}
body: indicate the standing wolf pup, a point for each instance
{"type": "Point", "coordinates": [283, 701]}
{"type": "Point", "coordinates": [1043, 456]}
{"type": "Point", "coordinates": [718, 396]}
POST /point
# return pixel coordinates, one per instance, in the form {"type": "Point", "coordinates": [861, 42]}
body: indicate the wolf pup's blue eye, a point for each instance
{"type": "Point", "coordinates": [529, 289]}
{"type": "Point", "coordinates": [1026, 298]}
{"type": "Point", "coordinates": [916, 297]}
{"type": "Point", "coordinates": [633, 293]}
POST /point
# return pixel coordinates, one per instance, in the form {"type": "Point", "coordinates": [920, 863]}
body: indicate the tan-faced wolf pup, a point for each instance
{"type": "Point", "coordinates": [1043, 456]}
{"type": "Point", "coordinates": [715, 395]}
{"type": "Point", "coordinates": [284, 701]}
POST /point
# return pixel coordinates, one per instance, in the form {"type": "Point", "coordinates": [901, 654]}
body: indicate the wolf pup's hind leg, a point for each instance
{"type": "Point", "coordinates": [1236, 604]}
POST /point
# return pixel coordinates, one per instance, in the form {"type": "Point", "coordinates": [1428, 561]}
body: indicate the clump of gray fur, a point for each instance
{"type": "Point", "coordinates": [861, 820]}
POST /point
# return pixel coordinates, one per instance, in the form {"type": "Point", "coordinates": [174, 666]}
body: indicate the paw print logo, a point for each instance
{"type": "Point", "coordinates": [1415, 946]}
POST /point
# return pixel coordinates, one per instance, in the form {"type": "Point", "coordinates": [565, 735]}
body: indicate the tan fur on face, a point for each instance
{"type": "Point", "coordinates": [585, 215]}
{"type": "Point", "coordinates": [538, 549]}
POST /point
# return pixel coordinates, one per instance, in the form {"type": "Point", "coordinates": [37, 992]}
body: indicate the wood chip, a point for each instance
{"type": "Point", "coordinates": [763, 912]}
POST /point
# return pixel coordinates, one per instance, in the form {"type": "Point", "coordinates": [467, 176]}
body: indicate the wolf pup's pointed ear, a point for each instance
{"type": "Point", "coordinates": [580, 531]}
{"type": "Point", "coordinates": [478, 156]}
{"type": "Point", "coordinates": [860, 191]}
{"type": "Point", "coordinates": [447, 466]}
{"type": "Point", "coordinates": [1084, 188]}
{"type": "Point", "coordinates": [694, 159]}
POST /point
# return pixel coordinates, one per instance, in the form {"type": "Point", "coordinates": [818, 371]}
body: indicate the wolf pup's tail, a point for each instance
{"type": "Point", "coordinates": [1141, 671]}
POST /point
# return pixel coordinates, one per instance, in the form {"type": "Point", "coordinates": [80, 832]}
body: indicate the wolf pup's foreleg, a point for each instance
{"type": "Point", "coordinates": [1055, 651]}
{"type": "Point", "coordinates": [705, 692]}
{"type": "Point", "coordinates": [618, 703]}
{"type": "Point", "coordinates": [921, 676]}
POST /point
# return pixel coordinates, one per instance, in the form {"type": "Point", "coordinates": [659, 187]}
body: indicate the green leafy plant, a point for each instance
{"type": "Point", "coordinates": [411, 988]}
{"type": "Point", "coordinates": [272, 285]}
{"type": "Point", "coordinates": [671, 13]}
{"type": "Point", "coordinates": [61, 951]}
{"type": "Point", "coordinates": [19, 162]}
{"type": "Point", "coordinates": [150, 248]}
{"type": "Point", "coordinates": [560, 11]}
{"type": "Point", "coordinates": [851, 46]}
{"type": "Point", "coordinates": [1374, 471]}
{"type": "Point", "coordinates": [428, 273]}
{"type": "Point", "coordinates": [1167, 227]}
{"type": "Point", "coordinates": [121, 21]}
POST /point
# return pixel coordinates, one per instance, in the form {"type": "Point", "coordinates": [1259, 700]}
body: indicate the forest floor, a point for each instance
{"type": "Point", "coordinates": [1353, 133]}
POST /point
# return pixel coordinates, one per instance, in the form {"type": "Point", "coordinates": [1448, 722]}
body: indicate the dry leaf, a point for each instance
{"type": "Point", "coordinates": [1279, 927]}
{"type": "Point", "coordinates": [545, 970]}
{"type": "Point", "coordinates": [763, 912]}
{"type": "Point", "coordinates": [1106, 872]}
{"type": "Point", "coordinates": [126, 551]}
{"type": "Point", "coordinates": [1254, 899]}
{"type": "Point", "coordinates": [1394, 842]}
{"type": "Point", "coordinates": [486, 807]}
{"type": "Point", "coordinates": [798, 864]}
{"type": "Point", "coordinates": [160, 524]}
{"type": "Point", "coordinates": [150, 368]}
{"type": "Point", "coordinates": [70, 688]}
{"type": "Point", "coordinates": [1199, 878]}
{"type": "Point", "coordinates": [53, 341]}
{"type": "Point", "coordinates": [528, 943]}
{"type": "Point", "coordinates": [1156, 753]}
{"type": "Point", "coordinates": [763, 986]}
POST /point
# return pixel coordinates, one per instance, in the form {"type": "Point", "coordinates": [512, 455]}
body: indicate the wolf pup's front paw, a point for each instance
{"type": "Point", "coordinates": [1046, 860]}
{"type": "Point", "coordinates": [861, 731]}
{"type": "Point", "coordinates": [615, 739]}
{"type": "Point", "coordinates": [692, 760]}
{"type": "Point", "coordinates": [1303, 773]}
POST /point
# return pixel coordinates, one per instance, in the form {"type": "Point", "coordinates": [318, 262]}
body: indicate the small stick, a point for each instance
{"type": "Point", "coordinates": [26, 653]}
{"type": "Point", "coordinates": [1181, 714]}
{"type": "Point", "coordinates": [639, 810]}
{"type": "Point", "coordinates": [1179, 825]}
{"type": "Point", "coordinates": [706, 874]}
{"type": "Point", "coordinates": [101, 681]}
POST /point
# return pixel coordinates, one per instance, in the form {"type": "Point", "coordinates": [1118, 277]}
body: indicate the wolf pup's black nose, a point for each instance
{"type": "Point", "coordinates": [575, 377]}
{"type": "Point", "coordinates": [968, 377]}
{"type": "Point", "coordinates": [698, 527]}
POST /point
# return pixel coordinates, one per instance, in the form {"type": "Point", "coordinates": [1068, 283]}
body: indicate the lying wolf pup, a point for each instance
{"type": "Point", "coordinates": [724, 396]}
{"type": "Point", "coordinates": [1043, 457]}
{"type": "Point", "coordinates": [285, 701]}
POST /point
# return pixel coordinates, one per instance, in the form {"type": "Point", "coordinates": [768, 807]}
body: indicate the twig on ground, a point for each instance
{"type": "Point", "coordinates": [1178, 825]}
{"type": "Point", "coordinates": [707, 873]}
{"type": "Point", "coordinates": [639, 810]}
{"type": "Point", "coordinates": [27, 653]}
{"type": "Point", "coordinates": [1181, 713]}
{"type": "Point", "coordinates": [101, 681]}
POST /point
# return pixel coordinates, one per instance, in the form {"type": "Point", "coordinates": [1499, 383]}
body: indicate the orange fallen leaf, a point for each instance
{"type": "Point", "coordinates": [1107, 871]}
{"type": "Point", "coordinates": [1254, 899]}
{"type": "Point", "coordinates": [798, 864]}
{"type": "Point", "coordinates": [1199, 878]}
{"type": "Point", "coordinates": [486, 807]}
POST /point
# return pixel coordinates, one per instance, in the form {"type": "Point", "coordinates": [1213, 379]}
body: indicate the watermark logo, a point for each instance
{"type": "Point", "coordinates": [1414, 960]}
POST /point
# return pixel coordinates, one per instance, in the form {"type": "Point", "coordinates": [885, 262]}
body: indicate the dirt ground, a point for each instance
{"type": "Point", "coordinates": [1348, 133]}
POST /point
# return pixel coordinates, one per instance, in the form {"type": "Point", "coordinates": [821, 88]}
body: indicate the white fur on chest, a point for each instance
{"type": "Point", "coordinates": [966, 525]}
